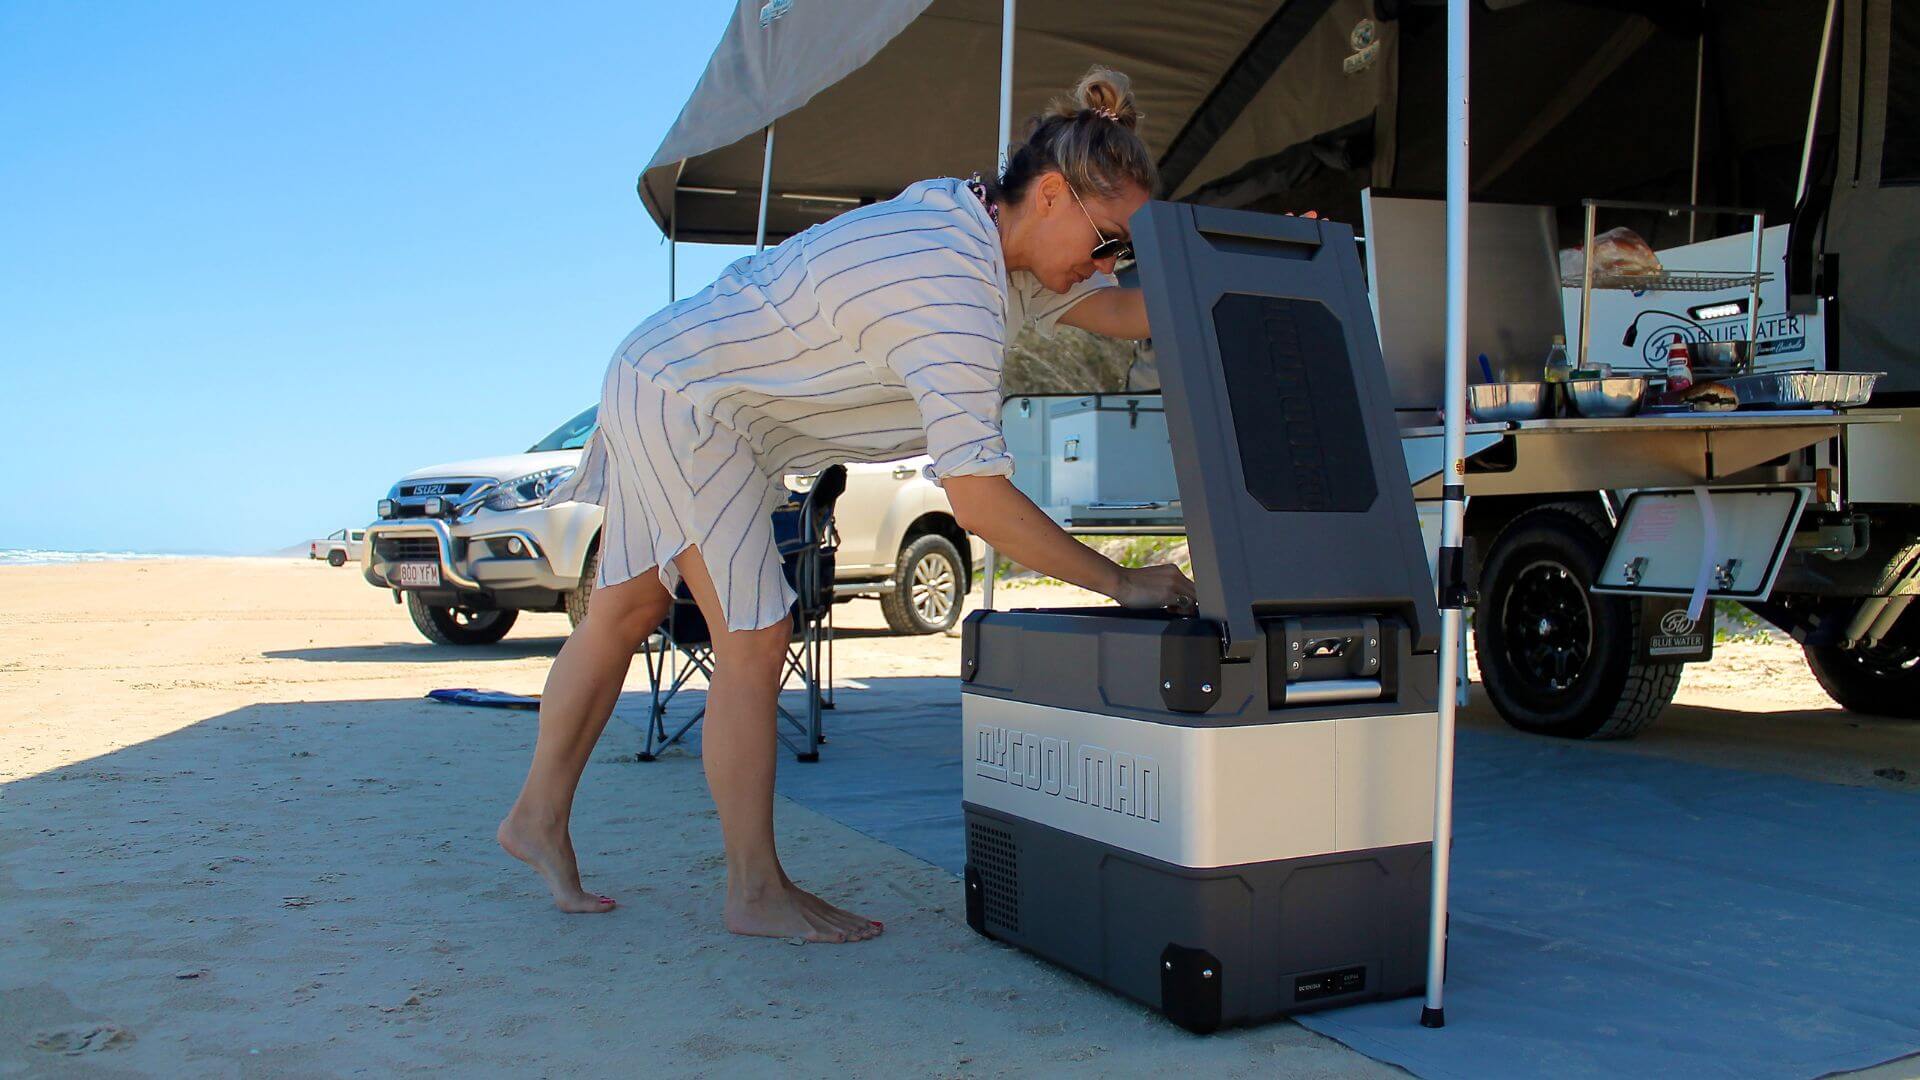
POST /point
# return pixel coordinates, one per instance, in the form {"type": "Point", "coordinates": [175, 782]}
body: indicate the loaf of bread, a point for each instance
{"type": "Point", "coordinates": [1619, 252]}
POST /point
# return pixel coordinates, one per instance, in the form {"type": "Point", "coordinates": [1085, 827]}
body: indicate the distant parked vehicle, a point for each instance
{"type": "Point", "coordinates": [900, 543]}
{"type": "Point", "coordinates": [469, 545]}
{"type": "Point", "coordinates": [339, 546]}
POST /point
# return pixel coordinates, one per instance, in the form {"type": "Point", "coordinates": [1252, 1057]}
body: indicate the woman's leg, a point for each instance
{"type": "Point", "coordinates": [581, 690]}
{"type": "Point", "coordinates": [738, 748]}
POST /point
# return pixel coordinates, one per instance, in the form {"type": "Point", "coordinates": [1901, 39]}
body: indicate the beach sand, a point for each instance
{"type": "Point", "coordinates": [235, 840]}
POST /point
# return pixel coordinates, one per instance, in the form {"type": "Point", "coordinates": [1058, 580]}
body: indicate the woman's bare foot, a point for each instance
{"type": "Point", "coordinates": [550, 852]}
{"type": "Point", "coordinates": [785, 910]}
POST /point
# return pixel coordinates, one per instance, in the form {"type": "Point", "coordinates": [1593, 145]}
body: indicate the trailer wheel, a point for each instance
{"type": "Point", "coordinates": [1556, 658]}
{"type": "Point", "coordinates": [459, 626]}
{"type": "Point", "coordinates": [1881, 681]}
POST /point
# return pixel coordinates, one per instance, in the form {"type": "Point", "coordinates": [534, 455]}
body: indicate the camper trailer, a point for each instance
{"type": "Point", "coordinates": [1767, 152]}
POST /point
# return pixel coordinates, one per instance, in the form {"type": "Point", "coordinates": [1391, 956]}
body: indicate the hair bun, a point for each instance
{"type": "Point", "coordinates": [1108, 93]}
{"type": "Point", "coordinates": [1089, 137]}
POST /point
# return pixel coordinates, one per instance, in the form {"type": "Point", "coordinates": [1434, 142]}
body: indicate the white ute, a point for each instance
{"type": "Point", "coordinates": [339, 547]}
{"type": "Point", "coordinates": [469, 544]}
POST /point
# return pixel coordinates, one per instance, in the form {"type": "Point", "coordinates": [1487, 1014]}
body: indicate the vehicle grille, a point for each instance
{"type": "Point", "coordinates": [446, 489]}
{"type": "Point", "coordinates": [408, 549]}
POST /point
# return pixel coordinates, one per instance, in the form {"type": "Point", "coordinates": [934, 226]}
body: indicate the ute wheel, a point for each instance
{"type": "Point", "coordinates": [459, 626]}
{"type": "Point", "coordinates": [1557, 659]}
{"type": "Point", "coordinates": [1881, 681]}
{"type": "Point", "coordinates": [928, 588]}
{"type": "Point", "coordinates": [580, 594]}
{"type": "Point", "coordinates": [336, 557]}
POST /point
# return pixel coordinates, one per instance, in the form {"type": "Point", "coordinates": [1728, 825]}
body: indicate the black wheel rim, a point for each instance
{"type": "Point", "coordinates": [1894, 662]}
{"type": "Point", "coordinates": [1547, 621]}
{"type": "Point", "coordinates": [469, 619]}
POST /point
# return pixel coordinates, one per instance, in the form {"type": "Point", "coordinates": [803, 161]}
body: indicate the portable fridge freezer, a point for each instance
{"type": "Point", "coordinates": [1229, 817]}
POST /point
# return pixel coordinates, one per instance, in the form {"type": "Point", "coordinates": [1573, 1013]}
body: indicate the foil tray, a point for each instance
{"type": "Point", "coordinates": [1803, 389]}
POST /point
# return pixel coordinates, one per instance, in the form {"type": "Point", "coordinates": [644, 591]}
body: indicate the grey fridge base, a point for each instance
{"type": "Point", "coordinates": [1209, 948]}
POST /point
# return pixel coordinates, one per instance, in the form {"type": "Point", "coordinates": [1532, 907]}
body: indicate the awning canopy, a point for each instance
{"type": "Point", "coordinates": [871, 97]}
{"type": "Point", "coordinates": [1267, 104]}
{"type": "Point", "coordinates": [1289, 105]}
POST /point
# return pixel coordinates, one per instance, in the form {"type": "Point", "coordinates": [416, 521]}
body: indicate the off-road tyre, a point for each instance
{"type": "Point", "coordinates": [1555, 658]}
{"type": "Point", "coordinates": [459, 626]}
{"type": "Point", "coordinates": [336, 557]}
{"type": "Point", "coordinates": [1881, 681]}
{"type": "Point", "coordinates": [929, 587]}
{"type": "Point", "coordinates": [579, 596]}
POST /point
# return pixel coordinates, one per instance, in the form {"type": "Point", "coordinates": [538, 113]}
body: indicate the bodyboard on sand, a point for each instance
{"type": "Point", "coordinates": [485, 699]}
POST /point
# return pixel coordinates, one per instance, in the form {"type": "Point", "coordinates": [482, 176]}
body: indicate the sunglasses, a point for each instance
{"type": "Point", "coordinates": [1108, 248]}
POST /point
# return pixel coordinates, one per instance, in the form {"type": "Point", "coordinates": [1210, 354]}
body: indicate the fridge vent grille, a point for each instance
{"type": "Point", "coordinates": [995, 856]}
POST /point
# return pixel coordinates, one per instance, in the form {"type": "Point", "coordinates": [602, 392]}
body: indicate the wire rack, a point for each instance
{"type": "Point", "coordinates": [1691, 281]}
{"type": "Point", "coordinates": [1677, 281]}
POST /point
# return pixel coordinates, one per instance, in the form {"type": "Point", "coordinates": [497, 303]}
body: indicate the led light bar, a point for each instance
{"type": "Point", "coordinates": [1727, 309]}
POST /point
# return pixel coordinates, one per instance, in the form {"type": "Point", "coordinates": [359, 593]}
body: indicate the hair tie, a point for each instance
{"type": "Point", "coordinates": [1108, 113]}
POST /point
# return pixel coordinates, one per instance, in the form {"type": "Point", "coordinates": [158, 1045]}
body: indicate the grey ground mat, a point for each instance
{"type": "Point", "coordinates": [1613, 915]}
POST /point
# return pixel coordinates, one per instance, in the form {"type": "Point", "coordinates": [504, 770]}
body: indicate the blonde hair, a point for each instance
{"type": "Point", "coordinates": [1090, 137]}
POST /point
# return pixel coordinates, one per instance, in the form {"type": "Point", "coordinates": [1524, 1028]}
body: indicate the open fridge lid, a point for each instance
{"type": "Point", "coordinates": [1291, 476]}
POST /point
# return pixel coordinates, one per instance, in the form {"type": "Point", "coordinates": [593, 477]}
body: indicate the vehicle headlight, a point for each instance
{"type": "Point", "coordinates": [528, 490]}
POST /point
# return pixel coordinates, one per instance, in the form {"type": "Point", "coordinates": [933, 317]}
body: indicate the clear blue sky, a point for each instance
{"type": "Point", "coordinates": [256, 261]}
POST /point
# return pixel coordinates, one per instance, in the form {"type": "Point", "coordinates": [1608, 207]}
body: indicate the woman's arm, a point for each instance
{"type": "Point", "coordinates": [1114, 313]}
{"type": "Point", "coordinates": [993, 509]}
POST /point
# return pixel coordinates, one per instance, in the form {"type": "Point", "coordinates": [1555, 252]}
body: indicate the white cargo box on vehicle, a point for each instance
{"type": "Point", "coordinates": [1101, 458]}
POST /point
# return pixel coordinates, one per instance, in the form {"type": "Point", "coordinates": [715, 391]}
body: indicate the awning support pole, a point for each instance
{"type": "Point", "coordinates": [1699, 106]}
{"type": "Point", "coordinates": [1813, 107]}
{"type": "Point", "coordinates": [1452, 566]}
{"type": "Point", "coordinates": [1000, 155]}
{"type": "Point", "coordinates": [766, 190]}
{"type": "Point", "coordinates": [673, 229]}
{"type": "Point", "coordinates": [1006, 83]}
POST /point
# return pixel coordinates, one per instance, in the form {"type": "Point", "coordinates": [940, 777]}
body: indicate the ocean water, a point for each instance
{"type": "Point", "coordinates": [44, 556]}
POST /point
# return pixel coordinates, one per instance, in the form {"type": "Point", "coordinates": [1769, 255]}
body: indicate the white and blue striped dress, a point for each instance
{"type": "Point", "coordinates": [875, 336]}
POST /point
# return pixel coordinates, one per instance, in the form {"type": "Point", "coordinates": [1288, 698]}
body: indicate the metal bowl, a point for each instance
{"type": "Point", "coordinates": [1617, 395]}
{"type": "Point", "coordinates": [1500, 402]}
{"type": "Point", "coordinates": [1719, 359]}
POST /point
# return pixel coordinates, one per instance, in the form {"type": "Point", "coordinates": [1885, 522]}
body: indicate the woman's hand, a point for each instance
{"type": "Point", "coordinates": [994, 510]}
{"type": "Point", "coordinates": [1158, 586]}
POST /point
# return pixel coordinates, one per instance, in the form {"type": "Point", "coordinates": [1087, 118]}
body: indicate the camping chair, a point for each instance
{"type": "Point", "coordinates": [803, 534]}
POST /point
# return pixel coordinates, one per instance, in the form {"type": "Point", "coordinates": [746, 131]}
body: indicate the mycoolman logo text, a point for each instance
{"type": "Point", "coordinates": [1127, 784]}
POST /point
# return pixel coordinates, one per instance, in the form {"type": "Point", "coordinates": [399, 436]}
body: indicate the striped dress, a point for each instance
{"type": "Point", "coordinates": [871, 337]}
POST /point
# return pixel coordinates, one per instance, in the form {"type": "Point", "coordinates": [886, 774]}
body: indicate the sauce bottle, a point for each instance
{"type": "Point", "coordinates": [1679, 370]}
